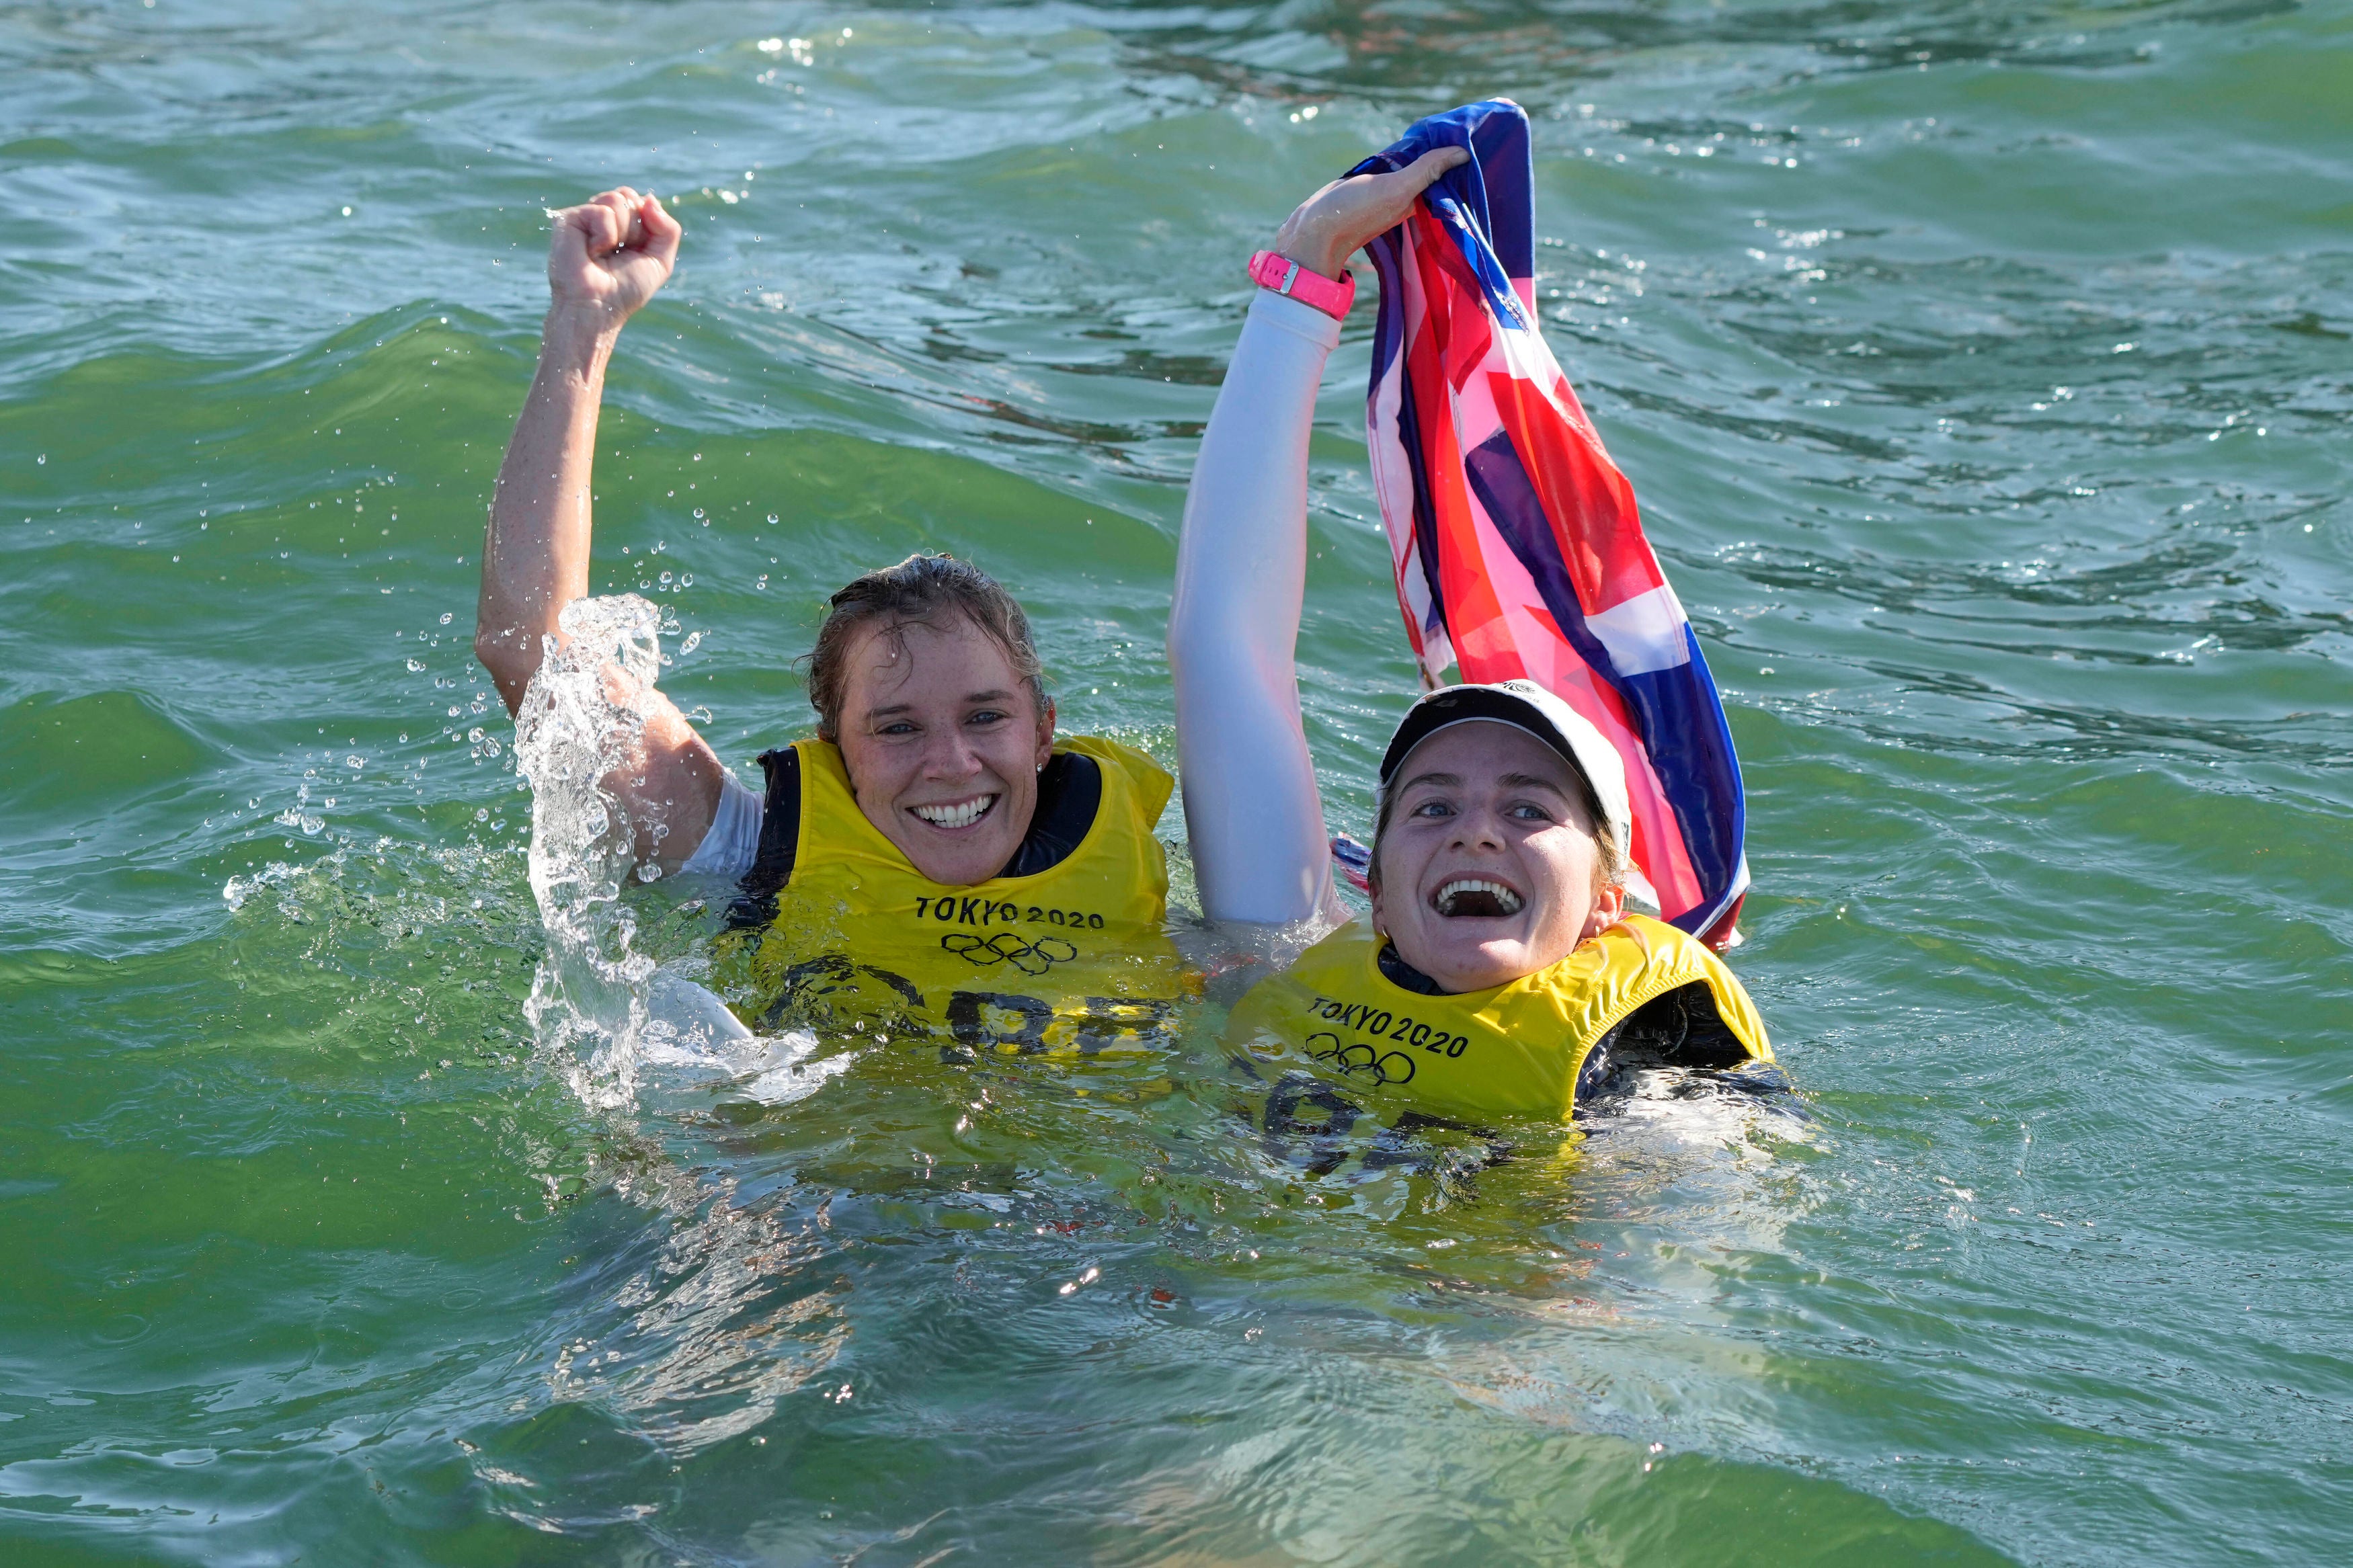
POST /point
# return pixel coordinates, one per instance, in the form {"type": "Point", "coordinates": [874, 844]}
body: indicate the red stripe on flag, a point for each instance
{"type": "Point", "coordinates": [1588, 502]}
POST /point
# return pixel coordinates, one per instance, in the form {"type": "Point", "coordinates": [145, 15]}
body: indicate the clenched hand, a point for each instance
{"type": "Point", "coordinates": [611, 254]}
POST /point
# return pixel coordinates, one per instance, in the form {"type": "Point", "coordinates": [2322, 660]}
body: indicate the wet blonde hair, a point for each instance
{"type": "Point", "coordinates": [917, 591]}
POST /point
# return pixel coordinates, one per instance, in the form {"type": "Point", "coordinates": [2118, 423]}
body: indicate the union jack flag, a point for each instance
{"type": "Point", "coordinates": [1517, 547]}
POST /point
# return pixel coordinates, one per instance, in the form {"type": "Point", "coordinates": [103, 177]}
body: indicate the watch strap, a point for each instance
{"type": "Point", "coordinates": [1270, 271]}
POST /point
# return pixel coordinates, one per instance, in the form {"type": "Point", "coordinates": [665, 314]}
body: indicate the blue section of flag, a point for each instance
{"type": "Point", "coordinates": [1487, 204]}
{"type": "Point", "coordinates": [1681, 717]}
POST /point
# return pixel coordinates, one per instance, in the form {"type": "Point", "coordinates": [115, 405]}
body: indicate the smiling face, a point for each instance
{"type": "Point", "coordinates": [1489, 866]}
{"type": "Point", "coordinates": [943, 739]}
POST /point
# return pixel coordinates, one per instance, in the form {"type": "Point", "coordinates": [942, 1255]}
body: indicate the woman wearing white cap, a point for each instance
{"type": "Point", "coordinates": [1499, 967]}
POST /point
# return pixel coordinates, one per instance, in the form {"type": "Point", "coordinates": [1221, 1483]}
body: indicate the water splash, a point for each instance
{"type": "Point", "coordinates": [578, 727]}
{"type": "Point", "coordinates": [614, 1021]}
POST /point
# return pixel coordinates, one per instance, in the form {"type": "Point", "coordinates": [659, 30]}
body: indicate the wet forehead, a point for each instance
{"type": "Point", "coordinates": [944, 660]}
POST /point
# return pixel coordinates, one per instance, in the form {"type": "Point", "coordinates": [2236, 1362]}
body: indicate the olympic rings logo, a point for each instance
{"type": "Point", "coordinates": [1029, 957]}
{"type": "Point", "coordinates": [1396, 1067]}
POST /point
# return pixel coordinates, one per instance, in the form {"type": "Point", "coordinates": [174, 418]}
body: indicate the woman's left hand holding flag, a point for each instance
{"type": "Point", "coordinates": [1332, 225]}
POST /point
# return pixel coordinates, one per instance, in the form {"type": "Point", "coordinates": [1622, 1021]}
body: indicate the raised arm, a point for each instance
{"type": "Point", "coordinates": [605, 258]}
{"type": "Point", "coordinates": [1252, 810]}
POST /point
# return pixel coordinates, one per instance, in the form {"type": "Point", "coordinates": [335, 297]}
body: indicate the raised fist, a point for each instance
{"type": "Point", "coordinates": [611, 254]}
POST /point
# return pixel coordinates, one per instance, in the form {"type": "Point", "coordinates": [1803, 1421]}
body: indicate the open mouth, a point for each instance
{"type": "Point", "coordinates": [1473, 898]}
{"type": "Point", "coordinates": [963, 813]}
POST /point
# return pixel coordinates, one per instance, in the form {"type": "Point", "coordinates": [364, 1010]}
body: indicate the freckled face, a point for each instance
{"type": "Point", "coordinates": [1489, 859]}
{"type": "Point", "coordinates": [943, 740]}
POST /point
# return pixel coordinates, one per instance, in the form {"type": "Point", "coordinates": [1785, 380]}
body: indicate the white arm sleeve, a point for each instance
{"type": "Point", "coordinates": [734, 841]}
{"type": "Point", "coordinates": [1251, 807]}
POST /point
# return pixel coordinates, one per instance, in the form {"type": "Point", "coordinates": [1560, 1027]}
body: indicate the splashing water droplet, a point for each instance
{"type": "Point", "coordinates": [587, 1005]}
{"type": "Point", "coordinates": [618, 1027]}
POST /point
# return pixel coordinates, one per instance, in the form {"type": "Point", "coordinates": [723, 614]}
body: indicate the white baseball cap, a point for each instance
{"type": "Point", "coordinates": [1530, 706]}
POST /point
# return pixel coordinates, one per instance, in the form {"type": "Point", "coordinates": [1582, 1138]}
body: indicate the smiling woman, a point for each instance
{"type": "Point", "coordinates": [933, 861]}
{"type": "Point", "coordinates": [1499, 975]}
{"type": "Point", "coordinates": [932, 839]}
{"type": "Point", "coordinates": [928, 650]}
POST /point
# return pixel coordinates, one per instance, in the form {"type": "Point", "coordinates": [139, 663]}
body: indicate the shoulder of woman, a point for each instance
{"type": "Point", "coordinates": [1137, 766]}
{"type": "Point", "coordinates": [814, 755]}
{"type": "Point", "coordinates": [1105, 749]}
{"type": "Point", "coordinates": [1671, 958]}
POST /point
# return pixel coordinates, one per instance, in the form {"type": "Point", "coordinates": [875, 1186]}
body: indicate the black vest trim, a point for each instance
{"type": "Point", "coordinates": [1679, 1029]}
{"type": "Point", "coordinates": [1070, 794]}
{"type": "Point", "coordinates": [1404, 975]}
{"type": "Point", "coordinates": [780, 841]}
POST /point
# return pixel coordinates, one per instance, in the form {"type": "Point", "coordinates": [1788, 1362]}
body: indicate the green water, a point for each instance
{"type": "Point", "coordinates": [1985, 370]}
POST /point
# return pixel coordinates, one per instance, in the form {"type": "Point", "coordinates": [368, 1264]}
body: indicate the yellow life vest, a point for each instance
{"type": "Point", "coordinates": [1070, 959]}
{"type": "Point", "coordinates": [1515, 1050]}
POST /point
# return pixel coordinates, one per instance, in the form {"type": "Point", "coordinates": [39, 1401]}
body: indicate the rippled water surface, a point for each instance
{"type": "Point", "coordinates": [1985, 367]}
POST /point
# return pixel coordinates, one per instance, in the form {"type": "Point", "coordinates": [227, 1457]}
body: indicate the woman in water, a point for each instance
{"type": "Point", "coordinates": [1499, 973]}
{"type": "Point", "coordinates": [935, 862]}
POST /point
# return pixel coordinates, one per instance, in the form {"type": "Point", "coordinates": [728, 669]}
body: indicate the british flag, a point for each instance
{"type": "Point", "coordinates": [1517, 547]}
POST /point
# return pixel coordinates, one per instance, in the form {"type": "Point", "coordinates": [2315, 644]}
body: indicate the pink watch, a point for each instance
{"type": "Point", "coordinates": [1284, 276]}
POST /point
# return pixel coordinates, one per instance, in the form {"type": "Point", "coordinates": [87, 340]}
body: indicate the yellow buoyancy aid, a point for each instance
{"type": "Point", "coordinates": [1070, 959]}
{"type": "Point", "coordinates": [1515, 1050]}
